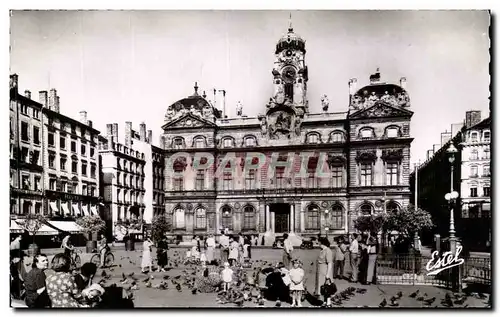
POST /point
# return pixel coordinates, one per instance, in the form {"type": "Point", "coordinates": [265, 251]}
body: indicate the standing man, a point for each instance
{"type": "Point", "coordinates": [103, 248]}
{"type": "Point", "coordinates": [287, 251]}
{"type": "Point", "coordinates": [224, 247]}
{"type": "Point", "coordinates": [354, 253]}
{"type": "Point", "coordinates": [66, 246]}
{"type": "Point", "coordinates": [210, 245]}
{"type": "Point", "coordinates": [372, 246]}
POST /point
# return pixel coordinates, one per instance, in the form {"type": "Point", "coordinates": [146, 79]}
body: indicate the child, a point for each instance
{"type": "Point", "coordinates": [227, 276]}
{"type": "Point", "coordinates": [327, 290]}
{"type": "Point", "coordinates": [203, 259]}
{"type": "Point", "coordinates": [297, 282]}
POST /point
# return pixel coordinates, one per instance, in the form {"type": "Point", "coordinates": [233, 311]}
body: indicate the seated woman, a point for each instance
{"type": "Point", "coordinates": [61, 286]}
{"type": "Point", "coordinates": [36, 293]}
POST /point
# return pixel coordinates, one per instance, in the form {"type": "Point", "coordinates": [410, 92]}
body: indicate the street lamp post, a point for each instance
{"type": "Point", "coordinates": [451, 197]}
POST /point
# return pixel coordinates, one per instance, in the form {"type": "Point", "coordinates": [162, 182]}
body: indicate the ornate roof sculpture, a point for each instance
{"type": "Point", "coordinates": [194, 104]}
{"type": "Point", "coordinates": [291, 41]}
{"type": "Point", "coordinates": [379, 92]}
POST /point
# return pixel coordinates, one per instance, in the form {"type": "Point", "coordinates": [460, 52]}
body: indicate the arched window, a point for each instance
{"type": "Point", "coordinates": [178, 143]}
{"type": "Point", "coordinates": [249, 218]}
{"type": "Point", "coordinates": [227, 218]}
{"type": "Point", "coordinates": [250, 141]}
{"type": "Point", "coordinates": [486, 136]}
{"type": "Point", "coordinates": [392, 132]}
{"type": "Point", "coordinates": [313, 138]}
{"type": "Point", "coordinates": [179, 218]}
{"type": "Point", "coordinates": [366, 209]}
{"type": "Point", "coordinates": [337, 217]}
{"type": "Point", "coordinates": [366, 133]}
{"type": "Point", "coordinates": [227, 142]}
{"type": "Point", "coordinates": [474, 137]}
{"type": "Point", "coordinates": [337, 137]}
{"type": "Point", "coordinates": [391, 207]}
{"type": "Point", "coordinates": [201, 218]}
{"type": "Point", "coordinates": [199, 142]}
{"type": "Point", "coordinates": [313, 217]}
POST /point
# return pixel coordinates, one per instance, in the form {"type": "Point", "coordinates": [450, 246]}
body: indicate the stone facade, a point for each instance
{"type": "Point", "coordinates": [54, 162]}
{"type": "Point", "coordinates": [287, 170]}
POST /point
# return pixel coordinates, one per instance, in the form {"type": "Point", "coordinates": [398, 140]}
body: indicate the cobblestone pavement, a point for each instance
{"type": "Point", "coordinates": [128, 262]}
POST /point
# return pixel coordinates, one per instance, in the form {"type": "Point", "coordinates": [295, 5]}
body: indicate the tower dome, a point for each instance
{"type": "Point", "coordinates": [291, 40]}
{"type": "Point", "coordinates": [195, 104]}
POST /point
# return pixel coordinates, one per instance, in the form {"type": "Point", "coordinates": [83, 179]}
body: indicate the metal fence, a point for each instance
{"type": "Point", "coordinates": [477, 270]}
{"type": "Point", "coordinates": [410, 269]}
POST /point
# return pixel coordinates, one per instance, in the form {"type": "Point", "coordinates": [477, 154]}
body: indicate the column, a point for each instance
{"type": "Point", "coordinates": [217, 220]}
{"type": "Point", "coordinates": [302, 221]}
{"type": "Point", "coordinates": [257, 220]}
{"type": "Point", "coordinates": [292, 217]}
{"type": "Point", "coordinates": [268, 218]}
{"type": "Point", "coordinates": [272, 221]}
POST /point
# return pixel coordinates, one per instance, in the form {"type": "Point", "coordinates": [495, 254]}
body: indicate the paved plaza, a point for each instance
{"type": "Point", "coordinates": [129, 262]}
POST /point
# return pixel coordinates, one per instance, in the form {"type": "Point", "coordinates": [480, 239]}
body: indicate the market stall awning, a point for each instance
{"type": "Point", "coordinates": [45, 230]}
{"type": "Point", "coordinates": [94, 210]}
{"type": "Point", "coordinates": [15, 227]}
{"type": "Point", "coordinates": [65, 209]}
{"type": "Point", "coordinates": [85, 210]}
{"type": "Point", "coordinates": [67, 226]}
{"type": "Point", "coordinates": [75, 209]}
{"type": "Point", "coordinates": [486, 206]}
{"type": "Point", "coordinates": [53, 205]}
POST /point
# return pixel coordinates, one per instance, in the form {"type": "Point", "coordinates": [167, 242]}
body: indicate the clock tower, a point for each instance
{"type": "Point", "coordinates": [290, 70]}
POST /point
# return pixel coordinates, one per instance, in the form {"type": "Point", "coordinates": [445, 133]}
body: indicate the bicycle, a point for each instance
{"type": "Point", "coordinates": [109, 259]}
{"type": "Point", "coordinates": [76, 261]}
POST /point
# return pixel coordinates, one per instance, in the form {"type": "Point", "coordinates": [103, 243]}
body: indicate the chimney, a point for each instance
{"type": "Point", "coordinates": [52, 99]}
{"type": "Point", "coordinates": [142, 132]}
{"type": "Point", "coordinates": [445, 137]}
{"type": "Point", "coordinates": [402, 83]}
{"type": "Point", "coordinates": [472, 117]}
{"type": "Point", "coordinates": [42, 96]}
{"type": "Point", "coordinates": [13, 81]}
{"type": "Point", "coordinates": [83, 117]}
{"type": "Point", "coordinates": [128, 133]}
{"type": "Point", "coordinates": [27, 94]}
{"type": "Point", "coordinates": [109, 135]}
{"type": "Point", "coordinates": [89, 123]}
{"type": "Point", "coordinates": [56, 105]}
{"type": "Point", "coordinates": [162, 142]}
{"type": "Point", "coordinates": [150, 136]}
{"type": "Point", "coordinates": [430, 153]}
{"type": "Point", "coordinates": [375, 78]}
{"type": "Point", "coordinates": [436, 147]}
{"type": "Point", "coordinates": [115, 132]}
{"type": "Point", "coordinates": [352, 86]}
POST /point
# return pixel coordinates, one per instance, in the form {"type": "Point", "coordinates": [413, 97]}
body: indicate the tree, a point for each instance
{"type": "Point", "coordinates": [32, 223]}
{"type": "Point", "coordinates": [91, 224]}
{"type": "Point", "coordinates": [409, 221]}
{"type": "Point", "coordinates": [160, 225]}
{"type": "Point", "coordinates": [370, 223]}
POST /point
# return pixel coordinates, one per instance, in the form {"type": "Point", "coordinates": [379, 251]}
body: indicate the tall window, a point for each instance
{"type": "Point", "coordinates": [63, 163]}
{"type": "Point", "coordinates": [313, 139]}
{"type": "Point", "coordinates": [250, 179]}
{"type": "Point", "coordinates": [473, 192]}
{"type": "Point", "coordinates": [391, 173]}
{"type": "Point", "coordinates": [200, 179]}
{"type": "Point", "coordinates": [473, 171]}
{"type": "Point", "coordinates": [366, 209]}
{"type": "Point", "coordinates": [52, 184]}
{"type": "Point", "coordinates": [179, 218]}
{"type": "Point", "coordinates": [36, 135]}
{"type": "Point", "coordinates": [74, 167]}
{"type": "Point", "coordinates": [473, 137]}
{"type": "Point", "coordinates": [249, 218]}
{"type": "Point", "coordinates": [227, 142]}
{"type": "Point", "coordinates": [486, 153]}
{"type": "Point", "coordinates": [62, 142]}
{"type": "Point", "coordinates": [366, 174]}
{"type": "Point", "coordinates": [250, 141]}
{"type": "Point", "coordinates": [337, 217]}
{"type": "Point", "coordinates": [486, 136]}
{"type": "Point", "coordinates": [24, 131]}
{"type": "Point", "coordinates": [201, 218]}
{"type": "Point", "coordinates": [73, 146]}
{"type": "Point", "coordinates": [83, 149]}
{"type": "Point", "coordinates": [473, 154]}
{"type": "Point", "coordinates": [336, 176]}
{"type": "Point", "coordinates": [486, 191]}
{"type": "Point", "coordinates": [178, 177]}
{"type": "Point", "coordinates": [279, 177]}
{"type": "Point", "coordinates": [52, 158]}
{"type": "Point", "coordinates": [84, 169]}
{"type": "Point", "coordinates": [227, 218]}
{"type": "Point", "coordinates": [51, 139]}
{"type": "Point", "coordinates": [227, 181]}
{"type": "Point", "coordinates": [486, 170]}
{"type": "Point", "coordinates": [35, 157]}
{"type": "Point", "coordinates": [312, 217]}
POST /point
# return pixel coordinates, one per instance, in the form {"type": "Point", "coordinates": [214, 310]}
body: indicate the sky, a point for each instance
{"type": "Point", "coordinates": [131, 65]}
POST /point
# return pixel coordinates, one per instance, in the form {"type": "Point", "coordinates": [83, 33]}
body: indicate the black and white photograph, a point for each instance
{"type": "Point", "coordinates": [246, 159]}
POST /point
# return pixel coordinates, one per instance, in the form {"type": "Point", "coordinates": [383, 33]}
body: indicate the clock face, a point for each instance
{"type": "Point", "coordinates": [288, 53]}
{"type": "Point", "coordinates": [288, 74]}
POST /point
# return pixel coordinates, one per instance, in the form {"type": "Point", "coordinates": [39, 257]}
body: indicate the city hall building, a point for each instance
{"type": "Point", "coordinates": [288, 169]}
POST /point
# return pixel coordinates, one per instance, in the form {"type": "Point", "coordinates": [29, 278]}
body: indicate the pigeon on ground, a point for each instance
{"type": "Point", "coordinates": [414, 294]}
{"type": "Point", "coordinates": [383, 303]}
{"type": "Point", "coordinates": [430, 301]}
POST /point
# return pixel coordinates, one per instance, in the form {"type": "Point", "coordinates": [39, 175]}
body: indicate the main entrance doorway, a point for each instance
{"type": "Point", "coordinates": [281, 217]}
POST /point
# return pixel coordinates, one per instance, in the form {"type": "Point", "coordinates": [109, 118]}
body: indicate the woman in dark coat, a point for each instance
{"type": "Point", "coordinates": [161, 253]}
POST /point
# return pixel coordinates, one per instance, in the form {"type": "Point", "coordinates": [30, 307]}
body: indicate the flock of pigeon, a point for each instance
{"type": "Point", "coordinates": [245, 290]}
